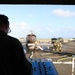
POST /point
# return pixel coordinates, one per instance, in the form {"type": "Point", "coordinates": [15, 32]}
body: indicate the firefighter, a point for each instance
{"type": "Point", "coordinates": [30, 49]}
{"type": "Point", "coordinates": [57, 46]}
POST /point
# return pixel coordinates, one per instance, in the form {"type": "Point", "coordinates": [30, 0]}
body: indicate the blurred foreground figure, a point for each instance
{"type": "Point", "coordinates": [32, 51]}
{"type": "Point", "coordinates": [33, 48]}
{"type": "Point", "coordinates": [13, 60]}
{"type": "Point", "coordinates": [32, 44]}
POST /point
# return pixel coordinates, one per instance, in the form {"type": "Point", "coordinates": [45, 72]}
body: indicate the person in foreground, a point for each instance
{"type": "Point", "coordinates": [13, 60]}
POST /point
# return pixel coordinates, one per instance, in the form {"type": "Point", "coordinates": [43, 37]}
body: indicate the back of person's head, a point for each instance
{"type": "Point", "coordinates": [3, 20]}
{"type": "Point", "coordinates": [4, 23]}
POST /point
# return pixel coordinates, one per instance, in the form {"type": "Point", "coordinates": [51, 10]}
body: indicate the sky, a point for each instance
{"type": "Point", "coordinates": [45, 21]}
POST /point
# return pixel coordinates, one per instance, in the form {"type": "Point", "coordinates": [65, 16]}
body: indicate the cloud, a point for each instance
{"type": "Point", "coordinates": [65, 13]}
{"type": "Point", "coordinates": [20, 25]}
{"type": "Point", "coordinates": [60, 31]}
{"type": "Point", "coordinates": [18, 29]}
{"type": "Point", "coordinates": [21, 29]}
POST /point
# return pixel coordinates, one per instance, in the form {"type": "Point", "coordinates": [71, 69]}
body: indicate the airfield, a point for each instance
{"type": "Point", "coordinates": [65, 56]}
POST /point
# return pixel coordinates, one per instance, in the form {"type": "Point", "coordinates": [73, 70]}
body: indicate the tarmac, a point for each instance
{"type": "Point", "coordinates": [66, 56]}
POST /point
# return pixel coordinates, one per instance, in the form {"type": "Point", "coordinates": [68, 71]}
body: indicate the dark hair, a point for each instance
{"type": "Point", "coordinates": [3, 20]}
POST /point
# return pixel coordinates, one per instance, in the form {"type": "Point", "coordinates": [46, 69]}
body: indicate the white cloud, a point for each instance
{"type": "Point", "coordinates": [18, 29]}
{"type": "Point", "coordinates": [65, 13]}
{"type": "Point", "coordinates": [21, 29]}
{"type": "Point", "coordinates": [20, 25]}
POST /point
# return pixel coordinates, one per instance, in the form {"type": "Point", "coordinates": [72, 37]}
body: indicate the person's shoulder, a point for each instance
{"type": "Point", "coordinates": [15, 40]}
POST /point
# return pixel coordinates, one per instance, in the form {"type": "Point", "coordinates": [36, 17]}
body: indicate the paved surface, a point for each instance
{"type": "Point", "coordinates": [65, 56]}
